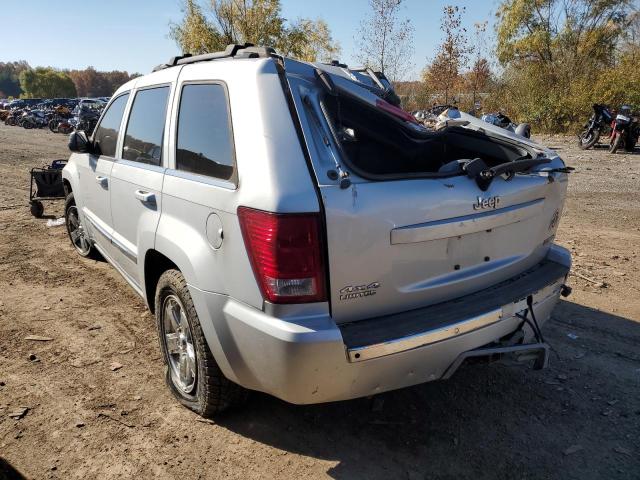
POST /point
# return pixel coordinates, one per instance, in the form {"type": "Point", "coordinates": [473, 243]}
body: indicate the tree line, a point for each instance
{"type": "Point", "coordinates": [546, 62]}
{"type": "Point", "coordinates": [19, 79]}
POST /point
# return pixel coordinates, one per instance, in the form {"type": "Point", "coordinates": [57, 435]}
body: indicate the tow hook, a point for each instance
{"type": "Point", "coordinates": [565, 290]}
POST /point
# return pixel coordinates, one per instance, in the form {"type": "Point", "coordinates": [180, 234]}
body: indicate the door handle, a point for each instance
{"type": "Point", "coordinates": [102, 181]}
{"type": "Point", "coordinates": [144, 197]}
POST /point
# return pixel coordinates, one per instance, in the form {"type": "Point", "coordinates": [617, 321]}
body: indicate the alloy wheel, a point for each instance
{"type": "Point", "coordinates": [77, 232]}
{"type": "Point", "coordinates": [178, 342]}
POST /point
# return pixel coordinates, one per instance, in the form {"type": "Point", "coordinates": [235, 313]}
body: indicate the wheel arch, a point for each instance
{"type": "Point", "coordinates": [155, 264]}
{"type": "Point", "coordinates": [70, 176]}
{"type": "Point", "coordinates": [66, 185]}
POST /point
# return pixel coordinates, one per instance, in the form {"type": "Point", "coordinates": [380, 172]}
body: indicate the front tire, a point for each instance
{"type": "Point", "coordinates": [192, 373]}
{"type": "Point", "coordinates": [615, 145]}
{"type": "Point", "coordinates": [588, 139]}
{"type": "Point", "coordinates": [77, 233]}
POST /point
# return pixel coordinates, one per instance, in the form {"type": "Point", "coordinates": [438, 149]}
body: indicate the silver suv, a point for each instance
{"type": "Point", "coordinates": [295, 232]}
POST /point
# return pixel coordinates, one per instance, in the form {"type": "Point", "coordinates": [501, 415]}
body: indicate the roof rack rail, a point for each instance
{"type": "Point", "coordinates": [245, 50]}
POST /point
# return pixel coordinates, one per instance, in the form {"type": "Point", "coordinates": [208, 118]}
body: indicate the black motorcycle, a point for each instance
{"type": "Point", "coordinates": [624, 131]}
{"type": "Point", "coordinates": [598, 124]}
{"type": "Point", "coordinates": [87, 118]}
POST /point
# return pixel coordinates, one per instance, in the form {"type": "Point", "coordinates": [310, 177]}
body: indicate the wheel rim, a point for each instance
{"type": "Point", "coordinates": [77, 232]}
{"type": "Point", "coordinates": [178, 342]}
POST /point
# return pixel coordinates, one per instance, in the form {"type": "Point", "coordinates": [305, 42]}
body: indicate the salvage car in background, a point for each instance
{"type": "Point", "coordinates": [501, 120]}
{"type": "Point", "coordinates": [295, 233]}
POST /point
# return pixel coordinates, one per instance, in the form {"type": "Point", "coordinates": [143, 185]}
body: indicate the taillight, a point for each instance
{"type": "Point", "coordinates": [286, 254]}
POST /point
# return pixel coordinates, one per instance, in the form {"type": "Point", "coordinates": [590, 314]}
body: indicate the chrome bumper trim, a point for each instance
{"type": "Point", "coordinates": [359, 354]}
{"type": "Point", "coordinates": [452, 330]}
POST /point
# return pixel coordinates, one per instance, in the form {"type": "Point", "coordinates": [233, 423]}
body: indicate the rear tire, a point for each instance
{"type": "Point", "coordinates": [630, 145]}
{"type": "Point", "coordinates": [193, 376]}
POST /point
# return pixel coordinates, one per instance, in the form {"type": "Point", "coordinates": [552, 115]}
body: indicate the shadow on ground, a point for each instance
{"type": "Point", "coordinates": [488, 421]}
{"type": "Point", "coordinates": [7, 472]}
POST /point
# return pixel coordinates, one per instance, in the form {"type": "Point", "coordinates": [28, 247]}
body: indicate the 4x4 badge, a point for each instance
{"type": "Point", "coordinates": [358, 291]}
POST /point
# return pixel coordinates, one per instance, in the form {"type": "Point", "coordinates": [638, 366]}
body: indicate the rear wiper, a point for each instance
{"type": "Point", "coordinates": [484, 175]}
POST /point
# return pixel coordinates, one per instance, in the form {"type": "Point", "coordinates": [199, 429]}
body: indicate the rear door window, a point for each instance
{"type": "Point", "coordinates": [106, 135]}
{"type": "Point", "coordinates": [145, 129]}
{"type": "Point", "coordinates": [205, 140]}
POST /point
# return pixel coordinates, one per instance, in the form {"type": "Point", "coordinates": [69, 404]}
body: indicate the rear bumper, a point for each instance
{"type": "Point", "coordinates": [311, 360]}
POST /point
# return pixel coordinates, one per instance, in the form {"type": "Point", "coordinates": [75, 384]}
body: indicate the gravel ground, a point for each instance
{"type": "Point", "coordinates": [579, 419]}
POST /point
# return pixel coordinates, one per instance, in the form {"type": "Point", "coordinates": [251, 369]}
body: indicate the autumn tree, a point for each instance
{"type": "Point", "coordinates": [251, 21]}
{"type": "Point", "coordinates": [92, 83]}
{"type": "Point", "coordinates": [479, 77]}
{"type": "Point", "coordinates": [45, 82]}
{"type": "Point", "coordinates": [443, 75]}
{"type": "Point", "coordinates": [385, 40]}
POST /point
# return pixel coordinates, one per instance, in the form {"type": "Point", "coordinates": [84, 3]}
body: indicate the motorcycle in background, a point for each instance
{"type": "Point", "coordinates": [624, 131]}
{"type": "Point", "coordinates": [35, 119]}
{"type": "Point", "coordinates": [87, 118]}
{"type": "Point", "coordinates": [598, 124]}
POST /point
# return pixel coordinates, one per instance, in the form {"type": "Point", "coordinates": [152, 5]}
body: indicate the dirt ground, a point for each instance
{"type": "Point", "coordinates": [579, 419]}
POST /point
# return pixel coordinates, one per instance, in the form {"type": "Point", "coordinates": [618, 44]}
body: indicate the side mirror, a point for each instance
{"type": "Point", "coordinates": [78, 142]}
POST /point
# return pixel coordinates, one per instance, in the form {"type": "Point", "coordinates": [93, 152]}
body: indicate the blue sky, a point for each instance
{"type": "Point", "coordinates": [132, 34]}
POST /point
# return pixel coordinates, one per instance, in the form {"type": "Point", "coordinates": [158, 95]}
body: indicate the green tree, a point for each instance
{"type": "Point", "coordinates": [251, 21]}
{"type": "Point", "coordinates": [194, 34]}
{"type": "Point", "coordinates": [10, 78]}
{"type": "Point", "coordinates": [309, 40]}
{"type": "Point", "coordinates": [554, 53]}
{"type": "Point", "coordinates": [45, 82]}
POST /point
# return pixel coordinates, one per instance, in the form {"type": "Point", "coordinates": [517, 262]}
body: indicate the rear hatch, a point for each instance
{"type": "Point", "coordinates": [406, 226]}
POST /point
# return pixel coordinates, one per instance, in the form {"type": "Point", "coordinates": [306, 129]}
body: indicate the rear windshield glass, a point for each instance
{"type": "Point", "coordinates": [376, 143]}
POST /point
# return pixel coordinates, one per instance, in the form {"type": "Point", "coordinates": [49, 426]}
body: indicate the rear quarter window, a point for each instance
{"type": "Point", "coordinates": [205, 139]}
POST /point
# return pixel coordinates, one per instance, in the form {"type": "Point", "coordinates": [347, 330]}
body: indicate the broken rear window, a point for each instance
{"type": "Point", "coordinates": [377, 144]}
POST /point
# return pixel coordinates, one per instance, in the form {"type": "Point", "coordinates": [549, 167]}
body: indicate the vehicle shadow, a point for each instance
{"type": "Point", "coordinates": [7, 472]}
{"type": "Point", "coordinates": [605, 147]}
{"type": "Point", "coordinates": [488, 421]}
